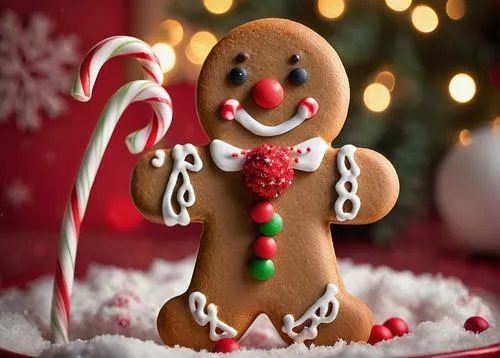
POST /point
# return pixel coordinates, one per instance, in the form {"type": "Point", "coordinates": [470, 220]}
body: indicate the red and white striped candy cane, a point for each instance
{"type": "Point", "coordinates": [135, 91]}
{"type": "Point", "coordinates": [116, 46]}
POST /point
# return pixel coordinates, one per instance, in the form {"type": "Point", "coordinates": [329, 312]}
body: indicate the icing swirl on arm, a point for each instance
{"type": "Point", "coordinates": [347, 176]}
{"type": "Point", "coordinates": [185, 195]}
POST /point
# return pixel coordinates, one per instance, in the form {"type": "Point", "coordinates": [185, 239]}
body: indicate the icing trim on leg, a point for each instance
{"type": "Point", "coordinates": [197, 303]}
{"type": "Point", "coordinates": [317, 318]}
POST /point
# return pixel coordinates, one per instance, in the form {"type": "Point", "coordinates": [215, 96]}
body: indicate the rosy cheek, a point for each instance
{"type": "Point", "coordinates": [228, 108]}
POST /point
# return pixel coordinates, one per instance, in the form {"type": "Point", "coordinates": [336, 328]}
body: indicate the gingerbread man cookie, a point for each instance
{"type": "Point", "coordinates": [272, 95]}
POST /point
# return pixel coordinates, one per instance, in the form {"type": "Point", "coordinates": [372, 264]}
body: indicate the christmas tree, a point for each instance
{"type": "Point", "coordinates": [421, 74]}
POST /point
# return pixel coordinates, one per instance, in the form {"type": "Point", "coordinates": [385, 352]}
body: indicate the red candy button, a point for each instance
{"type": "Point", "coordinates": [476, 324]}
{"type": "Point", "coordinates": [379, 333]}
{"type": "Point", "coordinates": [264, 247]}
{"type": "Point", "coordinates": [268, 93]}
{"type": "Point", "coordinates": [225, 345]}
{"type": "Point", "coordinates": [262, 212]}
{"type": "Point", "coordinates": [397, 326]}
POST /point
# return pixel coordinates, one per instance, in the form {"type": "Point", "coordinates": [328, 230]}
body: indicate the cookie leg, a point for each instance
{"type": "Point", "coordinates": [191, 321]}
{"type": "Point", "coordinates": [335, 315]}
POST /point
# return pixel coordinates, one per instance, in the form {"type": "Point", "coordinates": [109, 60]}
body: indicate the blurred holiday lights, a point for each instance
{"type": "Point", "coordinates": [173, 30]}
{"type": "Point", "coordinates": [464, 137]}
{"type": "Point", "coordinates": [424, 18]}
{"type": "Point", "coordinates": [165, 54]}
{"type": "Point", "coordinates": [217, 6]}
{"type": "Point", "coordinates": [377, 97]}
{"type": "Point", "coordinates": [455, 9]}
{"type": "Point", "coordinates": [386, 78]}
{"type": "Point", "coordinates": [462, 88]}
{"type": "Point", "coordinates": [398, 5]}
{"type": "Point", "coordinates": [199, 46]}
{"type": "Point", "coordinates": [331, 9]}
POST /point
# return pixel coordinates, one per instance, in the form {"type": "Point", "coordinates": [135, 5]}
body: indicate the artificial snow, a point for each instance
{"type": "Point", "coordinates": [113, 314]}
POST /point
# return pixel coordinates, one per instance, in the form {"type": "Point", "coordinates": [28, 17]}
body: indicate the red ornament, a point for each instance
{"type": "Point", "coordinates": [225, 345]}
{"type": "Point", "coordinates": [379, 333]}
{"type": "Point", "coordinates": [262, 212]}
{"type": "Point", "coordinates": [397, 326]}
{"type": "Point", "coordinates": [268, 170]}
{"type": "Point", "coordinates": [264, 247]}
{"type": "Point", "coordinates": [494, 73]}
{"type": "Point", "coordinates": [476, 324]}
{"type": "Point", "coordinates": [268, 93]}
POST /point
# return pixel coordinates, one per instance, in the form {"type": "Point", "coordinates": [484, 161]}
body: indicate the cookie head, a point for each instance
{"type": "Point", "coordinates": [272, 81]}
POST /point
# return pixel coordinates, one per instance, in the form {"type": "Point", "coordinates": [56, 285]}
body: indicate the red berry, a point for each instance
{"type": "Point", "coordinates": [264, 247]}
{"type": "Point", "coordinates": [268, 170]}
{"type": "Point", "coordinates": [262, 212]}
{"type": "Point", "coordinates": [379, 333]}
{"type": "Point", "coordinates": [225, 345]}
{"type": "Point", "coordinates": [397, 326]}
{"type": "Point", "coordinates": [476, 324]}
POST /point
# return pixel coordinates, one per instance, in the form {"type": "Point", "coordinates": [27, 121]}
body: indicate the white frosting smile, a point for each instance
{"type": "Point", "coordinates": [231, 109]}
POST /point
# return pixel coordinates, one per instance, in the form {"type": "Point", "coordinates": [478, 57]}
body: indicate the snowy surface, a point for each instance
{"type": "Point", "coordinates": [113, 305]}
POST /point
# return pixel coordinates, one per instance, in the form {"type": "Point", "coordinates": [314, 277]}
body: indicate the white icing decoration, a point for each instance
{"type": "Point", "coordinates": [222, 156]}
{"type": "Point", "coordinates": [257, 128]}
{"type": "Point", "coordinates": [308, 161]}
{"type": "Point", "coordinates": [347, 176]}
{"type": "Point", "coordinates": [197, 303]}
{"type": "Point", "coordinates": [180, 166]}
{"type": "Point", "coordinates": [328, 307]}
{"type": "Point", "coordinates": [159, 159]}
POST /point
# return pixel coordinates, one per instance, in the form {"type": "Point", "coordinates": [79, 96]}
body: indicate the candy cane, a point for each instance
{"type": "Point", "coordinates": [135, 91]}
{"type": "Point", "coordinates": [84, 80]}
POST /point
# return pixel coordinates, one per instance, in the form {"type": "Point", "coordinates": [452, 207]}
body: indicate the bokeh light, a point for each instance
{"type": "Point", "coordinates": [464, 137]}
{"type": "Point", "coordinates": [122, 215]}
{"type": "Point", "coordinates": [386, 78]}
{"type": "Point", "coordinates": [424, 18]}
{"type": "Point", "coordinates": [174, 31]}
{"type": "Point", "coordinates": [455, 9]}
{"type": "Point", "coordinates": [462, 88]}
{"type": "Point", "coordinates": [495, 124]}
{"type": "Point", "coordinates": [398, 5]}
{"type": "Point", "coordinates": [165, 54]}
{"type": "Point", "coordinates": [218, 6]}
{"type": "Point", "coordinates": [199, 46]}
{"type": "Point", "coordinates": [331, 9]}
{"type": "Point", "coordinates": [377, 97]}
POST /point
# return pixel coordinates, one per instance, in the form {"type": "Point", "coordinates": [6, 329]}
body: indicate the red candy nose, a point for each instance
{"type": "Point", "coordinates": [268, 93]}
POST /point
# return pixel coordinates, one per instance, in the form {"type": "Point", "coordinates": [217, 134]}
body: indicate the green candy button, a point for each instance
{"type": "Point", "coordinates": [262, 269]}
{"type": "Point", "coordinates": [272, 227]}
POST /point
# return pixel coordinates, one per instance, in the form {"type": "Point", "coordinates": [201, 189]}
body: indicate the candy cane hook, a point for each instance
{"type": "Point", "coordinates": [105, 50]}
{"type": "Point", "coordinates": [135, 91]}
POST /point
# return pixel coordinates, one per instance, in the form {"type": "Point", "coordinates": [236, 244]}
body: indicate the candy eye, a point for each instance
{"type": "Point", "coordinates": [238, 75]}
{"type": "Point", "coordinates": [298, 76]}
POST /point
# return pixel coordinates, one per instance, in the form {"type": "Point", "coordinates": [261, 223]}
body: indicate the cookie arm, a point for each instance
{"type": "Point", "coordinates": [155, 173]}
{"type": "Point", "coordinates": [366, 186]}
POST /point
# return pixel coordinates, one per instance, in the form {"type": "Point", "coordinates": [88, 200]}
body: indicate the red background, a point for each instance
{"type": "Point", "coordinates": [113, 232]}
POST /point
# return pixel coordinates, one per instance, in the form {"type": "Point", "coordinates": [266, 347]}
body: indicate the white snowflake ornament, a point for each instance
{"type": "Point", "coordinates": [35, 69]}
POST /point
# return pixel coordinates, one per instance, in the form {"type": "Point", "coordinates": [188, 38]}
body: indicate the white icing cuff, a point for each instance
{"type": "Point", "coordinates": [197, 303]}
{"type": "Point", "coordinates": [347, 176]}
{"type": "Point", "coordinates": [328, 307]}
